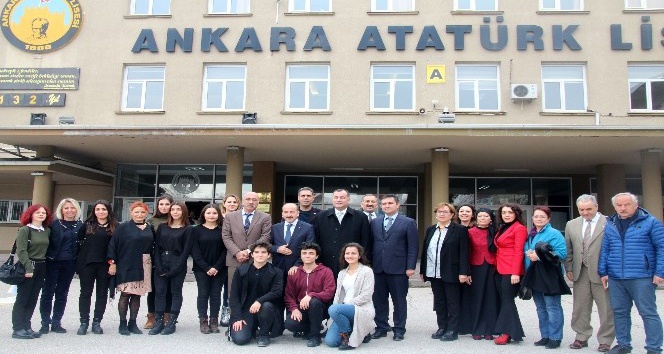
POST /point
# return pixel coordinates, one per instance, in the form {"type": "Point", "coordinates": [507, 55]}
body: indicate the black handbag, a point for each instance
{"type": "Point", "coordinates": [525, 293]}
{"type": "Point", "coordinates": [13, 273]}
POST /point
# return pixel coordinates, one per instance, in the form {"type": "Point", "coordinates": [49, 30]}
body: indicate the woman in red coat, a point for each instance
{"type": "Point", "coordinates": [509, 242]}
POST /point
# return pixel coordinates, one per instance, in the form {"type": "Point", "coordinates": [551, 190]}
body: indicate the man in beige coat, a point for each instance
{"type": "Point", "coordinates": [583, 236]}
{"type": "Point", "coordinates": [241, 229]}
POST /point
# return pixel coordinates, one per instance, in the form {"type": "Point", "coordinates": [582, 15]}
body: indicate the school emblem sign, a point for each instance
{"type": "Point", "coordinates": [40, 26]}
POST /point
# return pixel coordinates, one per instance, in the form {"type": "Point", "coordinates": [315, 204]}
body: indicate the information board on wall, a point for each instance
{"type": "Point", "coordinates": [39, 78]}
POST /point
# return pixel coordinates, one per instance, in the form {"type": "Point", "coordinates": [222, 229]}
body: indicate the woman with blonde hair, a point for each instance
{"type": "Point", "coordinates": [60, 264]}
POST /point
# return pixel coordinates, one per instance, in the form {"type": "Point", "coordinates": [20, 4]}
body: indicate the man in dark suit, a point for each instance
{"type": "Point", "coordinates": [338, 226]}
{"type": "Point", "coordinates": [395, 247]}
{"type": "Point", "coordinates": [287, 236]}
{"type": "Point", "coordinates": [241, 229]}
{"type": "Point", "coordinates": [369, 205]}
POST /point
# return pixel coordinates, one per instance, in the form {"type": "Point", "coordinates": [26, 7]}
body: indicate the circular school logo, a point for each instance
{"type": "Point", "coordinates": [40, 26]}
{"type": "Point", "coordinates": [186, 183]}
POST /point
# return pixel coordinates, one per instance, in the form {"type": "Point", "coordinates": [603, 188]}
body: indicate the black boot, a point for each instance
{"type": "Point", "coordinates": [158, 325]}
{"type": "Point", "coordinates": [170, 325]}
{"type": "Point", "coordinates": [123, 329]}
{"type": "Point", "coordinates": [96, 326]}
{"type": "Point", "coordinates": [133, 328]}
{"type": "Point", "coordinates": [83, 329]}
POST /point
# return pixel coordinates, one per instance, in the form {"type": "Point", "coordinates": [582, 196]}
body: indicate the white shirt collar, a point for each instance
{"type": "Point", "coordinates": [38, 228]}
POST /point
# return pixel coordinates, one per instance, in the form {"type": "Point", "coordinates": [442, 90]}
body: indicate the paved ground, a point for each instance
{"type": "Point", "coordinates": [187, 339]}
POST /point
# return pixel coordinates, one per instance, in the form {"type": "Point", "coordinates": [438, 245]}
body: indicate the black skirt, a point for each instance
{"type": "Point", "coordinates": [479, 302]}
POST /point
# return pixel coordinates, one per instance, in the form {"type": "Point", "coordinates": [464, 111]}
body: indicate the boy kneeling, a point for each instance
{"type": "Point", "coordinates": [309, 292]}
{"type": "Point", "coordinates": [256, 286]}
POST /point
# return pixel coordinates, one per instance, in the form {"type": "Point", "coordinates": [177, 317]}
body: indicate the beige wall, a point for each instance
{"type": "Point", "coordinates": [105, 42]}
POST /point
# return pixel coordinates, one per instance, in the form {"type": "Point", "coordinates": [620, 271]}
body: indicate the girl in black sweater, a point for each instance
{"type": "Point", "coordinates": [209, 254]}
{"type": "Point", "coordinates": [172, 248]}
{"type": "Point", "coordinates": [91, 265]}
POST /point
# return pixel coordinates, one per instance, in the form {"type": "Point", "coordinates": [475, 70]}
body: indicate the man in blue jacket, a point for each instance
{"type": "Point", "coordinates": [632, 263]}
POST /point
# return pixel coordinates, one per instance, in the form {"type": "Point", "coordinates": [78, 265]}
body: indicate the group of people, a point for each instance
{"type": "Point", "coordinates": [343, 265]}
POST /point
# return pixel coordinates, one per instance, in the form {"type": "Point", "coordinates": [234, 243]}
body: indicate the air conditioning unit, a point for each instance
{"type": "Point", "coordinates": [523, 91]}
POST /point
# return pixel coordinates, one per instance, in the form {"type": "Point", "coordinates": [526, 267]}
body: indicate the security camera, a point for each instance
{"type": "Point", "coordinates": [446, 110]}
{"type": "Point", "coordinates": [422, 111]}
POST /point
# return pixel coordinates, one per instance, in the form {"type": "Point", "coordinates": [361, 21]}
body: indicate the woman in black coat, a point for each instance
{"type": "Point", "coordinates": [129, 258]}
{"type": "Point", "coordinates": [444, 263]}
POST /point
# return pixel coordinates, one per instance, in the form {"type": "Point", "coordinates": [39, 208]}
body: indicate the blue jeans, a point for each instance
{"type": "Point", "coordinates": [342, 316]}
{"type": "Point", "coordinates": [550, 315]}
{"type": "Point", "coordinates": [622, 292]}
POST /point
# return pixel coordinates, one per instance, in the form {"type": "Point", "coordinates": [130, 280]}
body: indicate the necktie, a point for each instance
{"type": "Point", "coordinates": [288, 233]}
{"type": "Point", "coordinates": [389, 224]}
{"type": "Point", "coordinates": [371, 216]}
{"type": "Point", "coordinates": [340, 216]}
{"type": "Point", "coordinates": [586, 239]}
{"type": "Point", "coordinates": [247, 222]}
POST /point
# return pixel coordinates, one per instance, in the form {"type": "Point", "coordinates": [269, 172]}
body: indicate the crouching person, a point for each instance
{"type": "Point", "coordinates": [309, 293]}
{"type": "Point", "coordinates": [256, 286]}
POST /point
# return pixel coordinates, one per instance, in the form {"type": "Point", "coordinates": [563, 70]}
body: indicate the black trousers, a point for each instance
{"type": "Point", "coordinates": [396, 287]}
{"type": "Point", "coordinates": [27, 297]}
{"type": "Point", "coordinates": [446, 304]}
{"type": "Point", "coordinates": [150, 296]}
{"type": "Point", "coordinates": [264, 319]}
{"type": "Point", "coordinates": [59, 275]}
{"type": "Point", "coordinates": [508, 321]}
{"type": "Point", "coordinates": [209, 289]}
{"type": "Point", "coordinates": [162, 284]}
{"type": "Point", "coordinates": [311, 318]}
{"type": "Point", "coordinates": [91, 274]}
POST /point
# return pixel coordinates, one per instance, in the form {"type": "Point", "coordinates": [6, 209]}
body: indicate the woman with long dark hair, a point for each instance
{"type": "Point", "coordinates": [467, 216]}
{"type": "Point", "coordinates": [172, 248]}
{"type": "Point", "coordinates": [60, 264]}
{"type": "Point", "coordinates": [159, 217]}
{"type": "Point", "coordinates": [480, 297]}
{"type": "Point", "coordinates": [129, 258]}
{"type": "Point", "coordinates": [352, 312]}
{"type": "Point", "coordinates": [31, 244]}
{"type": "Point", "coordinates": [92, 266]}
{"type": "Point", "coordinates": [209, 254]}
{"type": "Point", "coordinates": [509, 243]}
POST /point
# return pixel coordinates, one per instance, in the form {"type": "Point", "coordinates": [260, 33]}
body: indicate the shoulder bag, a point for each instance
{"type": "Point", "coordinates": [14, 273]}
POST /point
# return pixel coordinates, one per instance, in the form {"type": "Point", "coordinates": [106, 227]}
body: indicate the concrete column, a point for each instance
{"type": "Point", "coordinates": [42, 188]}
{"type": "Point", "coordinates": [234, 168]}
{"type": "Point", "coordinates": [440, 178]}
{"type": "Point", "coordinates": [651, 180]}
{"type": "Point", "coordinates": [610, 181]}
{"type": "Point", "coordinates": [263, 181]}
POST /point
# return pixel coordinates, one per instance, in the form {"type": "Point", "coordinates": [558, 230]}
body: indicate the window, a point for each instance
{"type": "Point", "coordinates": [392, 5]}
{"type": "Point", "coordinates": [477, 88]}
{"type": "Point", "coordinates": [11, 210]}
{"type": "Point", "coordinates": [476, 5]}
{"type": "Point", "coordinates": [150, 7]}
{"type": "Point", "coordinates": [308, 88]}
{"type": "Point", "coordinates": [564, 88]}
{"type": "Point", "coordinates": [392, 87]}
{"type": "Point", "coordinates": [228, 6]}
{"type": "Point", "coordinates": [561, 5]}
{"type": "Point", "coordinates": [143, 88]}
{"type": "Point", "coordinates": [224, 87]}
{"type": "Point", "coordinates": [646, 87]}
{"type": "Point", "coordinates": [644, 4]}
{"type": "Point", "coordinates": [309, 6]}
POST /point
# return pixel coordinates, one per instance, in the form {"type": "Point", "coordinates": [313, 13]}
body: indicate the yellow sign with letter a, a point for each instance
{"type": "Point", "coordinates": [436, 74]}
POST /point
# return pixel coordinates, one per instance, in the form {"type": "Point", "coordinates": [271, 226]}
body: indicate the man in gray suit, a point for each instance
{"type": "Point", "coordinates": [583, 236]}
{"type": "Point", "coordinates": [243, 228]}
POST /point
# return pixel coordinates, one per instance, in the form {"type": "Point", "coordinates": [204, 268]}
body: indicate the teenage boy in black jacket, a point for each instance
{"type": "Point", "coordinates": [256, 287]}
